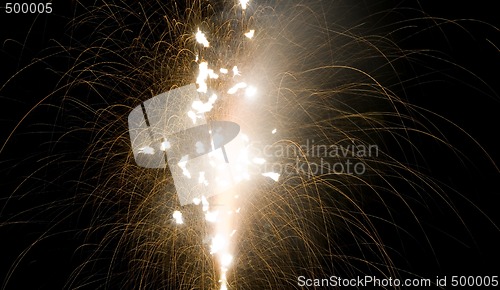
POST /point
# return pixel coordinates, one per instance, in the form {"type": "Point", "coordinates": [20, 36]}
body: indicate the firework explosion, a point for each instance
{"type": "Point", "coordinates": [332, 173]}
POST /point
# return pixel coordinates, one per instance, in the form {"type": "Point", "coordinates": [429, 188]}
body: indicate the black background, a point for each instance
{"type": "Point", "coordinates": [475, 108]}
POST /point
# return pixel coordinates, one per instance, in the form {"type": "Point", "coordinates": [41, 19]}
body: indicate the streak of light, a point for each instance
{"type": "Point", "coordinates": [236, 87]}
{"type": "Point", "coordinates": [201, 107]}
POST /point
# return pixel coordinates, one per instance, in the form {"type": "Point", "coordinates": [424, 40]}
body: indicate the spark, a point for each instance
{"type": "Point", "coordinates": [236, 87]}
{"type": "Point", "coordinates": [223, 71]}
{"type": "Point", "coordinates": [165, 145]}
{"type": "Point", "coordinates": [201, 107]}
{"type": "Point", "coordinates": [203, 74]}
{"type": "Point", "coordinates": [273, 175]}
{"type": "Point", "coordinates": [212, 75]}
{"type": "Point", "coordinates": [177, 215]}
{"type": "Point", "coordinates": [202, 77]}
{"type": "Point", "coordinates": [236, 72]}
{"type": "Point", "coordinates": [201, 38]}
{"type": "Point", "coordinates": [182, 165]}
{"type": "Point", "coordinates": [244, 4]}
{"type": "Point", "coordinates": [250, 34]}
{"type": "Point", "coordinates": [274, 131]}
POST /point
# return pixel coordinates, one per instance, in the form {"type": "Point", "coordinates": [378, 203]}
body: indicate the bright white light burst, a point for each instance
{"type": "Point", "coordinates": [250, 34]}
{"type": "Point", "coordinates": [250, 91]}
{"type": "Point", "coordinates": [201, 38]}
{"type": "Point", "coordinates": [177, 215]}
{"type": "Point", "coordinates": [244, 4]}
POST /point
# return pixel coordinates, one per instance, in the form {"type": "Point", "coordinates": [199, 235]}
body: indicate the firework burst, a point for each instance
{"type": "Point", "coordinates": [328, 176]}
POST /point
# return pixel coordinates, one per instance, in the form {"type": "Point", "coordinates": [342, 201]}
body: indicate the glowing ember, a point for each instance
{"type": "Point", "coordinates": [177, 215]}
{"type": "Point", "coordinates": [201, 107]}
{"type": "Point", "coordinates": [202, 77]}
{"type": "Point", "coordinates": [250, 34]}
{"type": "Point", "coordinates": [236, 72]}
{"type": "Point", "coordinates": [201, 38]}
{"type": "Point", "coordinates": [274, 176]}
{"type": "Point", "coordinates": [236, 87]}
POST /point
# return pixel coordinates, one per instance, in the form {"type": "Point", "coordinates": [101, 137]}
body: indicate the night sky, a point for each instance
{"type": "Point", "coordinates": [29, 209]}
